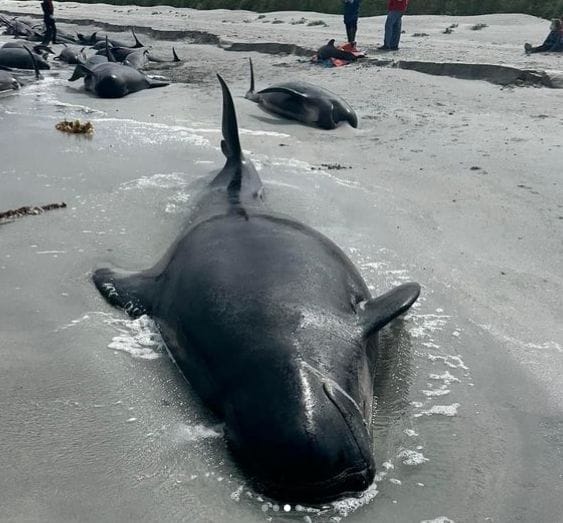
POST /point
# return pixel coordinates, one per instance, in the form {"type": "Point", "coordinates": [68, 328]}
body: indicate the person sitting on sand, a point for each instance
{"type": "Point", "coordinates": [553, 42]}
{"type": "Point", "coordinates": [49, 19]}
{"type": "Point", "coordinates": [351, 13]}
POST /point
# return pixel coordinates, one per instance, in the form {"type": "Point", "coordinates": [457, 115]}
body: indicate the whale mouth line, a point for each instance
{"type": "Point", "coordinates": [326, 490]}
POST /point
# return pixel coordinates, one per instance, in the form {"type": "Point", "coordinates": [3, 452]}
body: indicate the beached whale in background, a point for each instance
{"type": "Point", "coordinates": [329, 50]}
{"type": "Point", "coordinates": [274, 328]}
{"type": "Point", "coordinates": [21, 58]}
{"type": "Point", "coordinates": [140, 58]}
{"type": "Point", "coordinates": [304, 102]}
{"type": "Point", "coordinates": [71, 55]}
{"type": "Point", "coordinates": [19, 27]}
{"type": "Point", "coordinates": [100, 41]}
{"type": "Point", "coordinates": [9, 81]}
{"type": "Point", "coordinates": [39, 49]}
{"type": "Point", "coordinates": [111, 80]}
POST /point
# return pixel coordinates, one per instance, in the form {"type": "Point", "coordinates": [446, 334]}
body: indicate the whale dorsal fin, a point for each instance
{"type": "Point", "coordinates": [137, 43]}
{"type": "Point", "coordinates": [34, 62]}
{"type": "Point", "coordinates": [378, 312]}
{"type": "Point", "coordinates": [250, 94]}
{"type": "Point", "coordinates": [231, 143]}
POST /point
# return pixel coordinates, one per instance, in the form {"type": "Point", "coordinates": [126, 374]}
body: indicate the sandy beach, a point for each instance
{"type": "Point", "coordinates": [454, 183]}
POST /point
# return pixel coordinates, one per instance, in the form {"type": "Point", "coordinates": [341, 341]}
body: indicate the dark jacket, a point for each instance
{"type": "Point", "coordinates": [554, 41]}
{"type": "Point", "coordinates": [47, 6]}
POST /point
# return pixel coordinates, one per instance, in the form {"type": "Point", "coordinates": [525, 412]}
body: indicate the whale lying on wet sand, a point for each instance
{"type": "Point", "coordinates": [304, 102]}
{"type": "Point", "coordinates": [274, 328]}
{"type": "Point", "coordinates": [9, 81]}
{"type": "Point", "coordinates": [20, 58]}
{"type": "Point", "coordinates": [111, 80]}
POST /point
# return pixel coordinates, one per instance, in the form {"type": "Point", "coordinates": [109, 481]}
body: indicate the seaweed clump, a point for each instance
{"type": "Point", "coordinates": [75, 127]}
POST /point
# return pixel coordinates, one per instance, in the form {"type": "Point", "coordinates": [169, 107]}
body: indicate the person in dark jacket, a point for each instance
{"type": "Point", "coordinates": [49, 20]}
{"type": "Point", "coordinates": [553, 43]}
{"type": "Point", "coordinates": [351, 13]}
{"type": "Point", "coordinates": [395, 11]}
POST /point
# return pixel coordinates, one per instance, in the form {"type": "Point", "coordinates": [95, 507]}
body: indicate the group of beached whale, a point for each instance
{"type": "Point", "coordinates": [267, 318]}
{"type": "Point", "coordinates": [115, 70]}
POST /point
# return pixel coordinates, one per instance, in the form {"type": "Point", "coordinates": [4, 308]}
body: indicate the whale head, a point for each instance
{"type": "Point", "coordinates": [303, 439]}
{"type": "Point", "coordinates": [111, 86]}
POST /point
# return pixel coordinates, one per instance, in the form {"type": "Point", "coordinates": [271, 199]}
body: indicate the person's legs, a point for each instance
{"type": "Point", "coordinates": [388, 30]}
{"type": "Point", "coordinates": [391, 39]}
{"type": "Point", "coordinates": [47, 35]}
{"type": "Point", "coordinates": [397, 26]}
{"type": "Point", "coordinates": [351, 12]}
{"type": "Point", "coordinates": [54, 31]}
{"type": "Point", "coordinates": [538, 49]}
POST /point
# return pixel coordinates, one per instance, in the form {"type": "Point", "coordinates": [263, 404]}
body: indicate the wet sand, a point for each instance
{"type": "Point", "coordinates": [453, 183]}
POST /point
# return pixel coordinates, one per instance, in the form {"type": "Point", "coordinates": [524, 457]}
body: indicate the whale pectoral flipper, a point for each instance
{"type": "Point", "coordinates": [157, 83]}
{"type": "Point", "coordinates": [378, 312]}
{"type": "Point", "coordinates": [131, 292]}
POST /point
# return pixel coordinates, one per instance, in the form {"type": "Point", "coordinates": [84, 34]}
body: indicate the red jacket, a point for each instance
{"type": "Point", "coordinates": [397, 5]}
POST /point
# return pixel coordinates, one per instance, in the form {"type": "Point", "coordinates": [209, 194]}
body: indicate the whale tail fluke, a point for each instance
{"type": "Point", "coordinates": [128, 291]}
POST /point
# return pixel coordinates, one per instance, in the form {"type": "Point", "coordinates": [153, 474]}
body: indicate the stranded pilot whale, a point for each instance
{"type": "Point", "coordinates": [304, 102]}
{"type": "Point", "coordinates": [274, 328]}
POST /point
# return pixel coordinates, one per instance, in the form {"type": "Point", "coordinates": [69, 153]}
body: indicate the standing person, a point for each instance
{"type": "Point", "coordinates": [49, 19]}
{"type": "Point", "coordinates": [396, 9]}
{"type": "Point", "coordinates": [351, 13]}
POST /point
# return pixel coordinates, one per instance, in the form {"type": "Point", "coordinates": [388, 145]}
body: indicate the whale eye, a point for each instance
{"type": "Point", "coordinates": [355, 301]}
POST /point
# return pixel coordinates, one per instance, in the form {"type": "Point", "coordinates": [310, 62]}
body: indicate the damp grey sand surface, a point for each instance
{"type": "Point", "coordinates": [452, 183]}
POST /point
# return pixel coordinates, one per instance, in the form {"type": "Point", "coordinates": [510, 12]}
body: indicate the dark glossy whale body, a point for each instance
{"type": "Point", "coordinates": [304, 102]}
{"type": "Point", "coordinates": [38, 49]}
{"type": "Point", "coordinates": [331, 51]}
{"type": "Point", "coordinates": [111, 80]}
{"type": "Point", "coordinates": [100, 41]}
{"type": "Point", "coordinates": [71, 55]}
{"type": "Point", "coordinates": [274, 328]}
{"type": "Point", "coordinates": [8, 82]}
{"type": "Point", "coordinates": [119, 53]}
{"type": "Point", "coordinates": [137, 59]}
{"type": "Point", "coordinates": [20, 58]}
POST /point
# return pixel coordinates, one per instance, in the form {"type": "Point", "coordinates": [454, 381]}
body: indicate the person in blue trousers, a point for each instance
{"type": "Point", "coordinates": [396, 9]}
{"type": "Point", "coordinates": [351, 13]}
